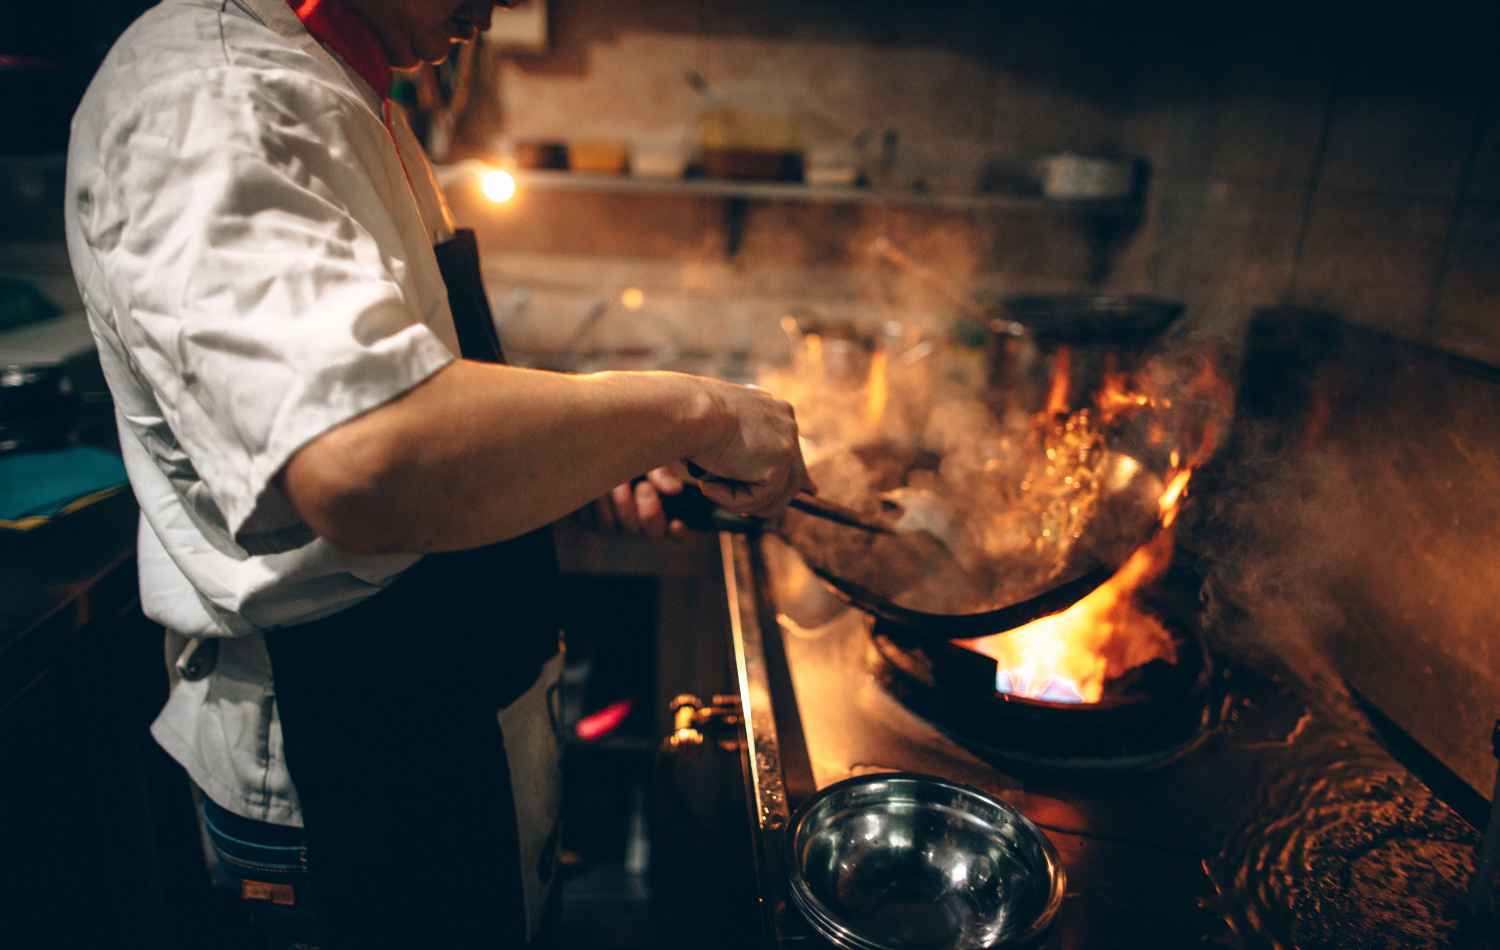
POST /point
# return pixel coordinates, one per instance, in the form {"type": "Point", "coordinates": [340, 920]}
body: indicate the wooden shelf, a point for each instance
{"type": "Point", "coordinates": [452, 175]}
{"type": "Point", "coordinates": [1104, 221]}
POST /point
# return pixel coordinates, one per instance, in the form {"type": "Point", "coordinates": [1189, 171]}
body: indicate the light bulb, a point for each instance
{"type": "Point", "coordinates": [498, 185]}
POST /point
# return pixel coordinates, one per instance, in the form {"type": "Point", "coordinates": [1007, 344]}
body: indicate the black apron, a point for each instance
{"type": "Point", "coordinates": [389, 717]}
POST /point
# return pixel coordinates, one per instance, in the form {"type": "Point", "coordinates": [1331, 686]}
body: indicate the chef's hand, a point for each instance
{"type": "Point", "coordinates": [636, 508]}
{"type": "Point", "coordinates": [758, 466]}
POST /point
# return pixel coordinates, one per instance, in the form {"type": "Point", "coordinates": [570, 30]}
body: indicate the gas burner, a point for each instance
{"type": "Point", "coordinates": [1148, 716]}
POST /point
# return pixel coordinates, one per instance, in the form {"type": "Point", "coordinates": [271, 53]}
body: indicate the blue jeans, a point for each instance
{"type": "Point", "coordinates": [262, 868]}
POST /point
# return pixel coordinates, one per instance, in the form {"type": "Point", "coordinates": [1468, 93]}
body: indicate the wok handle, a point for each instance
{"type": "Point", "coordinates": [811, 504]}
{"type": "Point", "coordinates": [704, 475]}
{"type": "Point", "coordinates": [696, 512]}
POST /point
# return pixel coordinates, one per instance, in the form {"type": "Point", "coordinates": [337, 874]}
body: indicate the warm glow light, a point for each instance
{"type": "Point", "coordinates": [1173, 495]}
{"type": "Point", "coordinates": [633, 298]}
{"type": "Point", "coordinates": [1116, 397]}
{"type": "Point", "coordinates": [877, 388]}
{"type": "Point", "coordinates": [814, 344]}
{"type": "Point", "coordinates": [498, 185]}
{"type": "Point", "coordinates": [1062, 371]}
{"type": "Point", "coordinates": [1069, 656]}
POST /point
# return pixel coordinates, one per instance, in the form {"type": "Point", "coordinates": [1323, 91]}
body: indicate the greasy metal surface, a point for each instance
{"type": "Point", "coordinates": [1403, 602]}
{"type": "Point", "coordinates": [1285, 825]}
{"type": "Point", "coordinates": [768, 793]}
{"type": "Point", "coordinates": [889, 862]}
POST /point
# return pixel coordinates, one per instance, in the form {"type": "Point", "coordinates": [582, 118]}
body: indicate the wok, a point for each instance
{"type": "Point", "coordinates": [1037, 342]}
{"type": "Point", "coordinates": [841, 554]}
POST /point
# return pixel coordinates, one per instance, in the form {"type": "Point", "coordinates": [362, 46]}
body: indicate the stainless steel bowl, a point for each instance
{"type": "Point", "coordinates": [904, 861]}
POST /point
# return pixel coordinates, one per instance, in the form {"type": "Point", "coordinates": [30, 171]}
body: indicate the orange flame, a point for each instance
{"type": "Point", "coordinates": [1069, 656]}
{"type": "Point", "coordinates": [1171, 498]}
{"type": "Point", "coordinates": [1062, 371]}
{"type": "Point", "coordinates": [877, 387]}
{"type": "Point", "coordinates": [1116, 397]}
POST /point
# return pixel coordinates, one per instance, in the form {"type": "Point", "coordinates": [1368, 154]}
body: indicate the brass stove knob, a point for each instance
{"type": "Point", "coordinates": [691, 718]}
{"type": "Point", "coordinates": [685, 734]}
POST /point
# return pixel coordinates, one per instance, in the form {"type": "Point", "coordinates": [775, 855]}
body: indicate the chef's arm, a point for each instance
{"type": "Point", "coordinates": [479, 453]}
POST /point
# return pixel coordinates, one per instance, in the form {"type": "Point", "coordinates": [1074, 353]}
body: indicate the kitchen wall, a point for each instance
{"type": "Point", "coordinates": [954, 97]}
{"type": "Point", "coordinates": [1322, 161]}
{"type": "Point", "coordinates": [1351, 173]}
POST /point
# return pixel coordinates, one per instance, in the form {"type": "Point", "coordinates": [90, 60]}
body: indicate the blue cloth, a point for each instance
{"type": "Point", "coordinates": [40, 485]}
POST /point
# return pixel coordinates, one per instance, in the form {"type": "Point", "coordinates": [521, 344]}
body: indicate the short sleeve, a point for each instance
{"type": "Point", "coordinates": [233, 219]}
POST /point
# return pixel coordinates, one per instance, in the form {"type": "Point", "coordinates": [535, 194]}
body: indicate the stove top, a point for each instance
{"type": "Point", "coordinates": [1159, 710]}
{"type": "Point", "coordinates": [1268, 822]}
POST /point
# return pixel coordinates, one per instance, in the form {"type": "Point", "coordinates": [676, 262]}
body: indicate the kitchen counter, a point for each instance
{"type": "Point", "coordinates": [59, 578]}
{"type": "Point", "coordinates": [98, 810]}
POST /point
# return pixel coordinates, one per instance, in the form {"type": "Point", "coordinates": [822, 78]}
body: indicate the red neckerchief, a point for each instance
{"type": "Point", "coordinates": [335, 25]}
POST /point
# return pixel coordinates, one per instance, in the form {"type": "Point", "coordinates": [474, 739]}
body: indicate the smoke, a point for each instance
{"type": "Point", "coordinates": [1351, 534]}
{"type": "Point", "coordinates": [908, 267]}
{"type": "Point", "coordinates": [1061, 460]}
{"type": "Point", "coordinates": [1270, 596]}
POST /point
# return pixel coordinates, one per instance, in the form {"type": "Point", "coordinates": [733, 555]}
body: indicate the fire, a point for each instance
{"type": "Point", "coordinates": [1172, 496]}
{"type": "Point", "coordinates": [814, 344]}
{"type": "Point", "coordinates": [1041, 477]}
{"type": "Point", "coordinates": [1069, 656]}
{"type": "Point", "coordinates": [877, 388]}
{"type": "Point", "coordinates": [1062, 371]}
{"type": "Point", "coordinates": [1116, 397]}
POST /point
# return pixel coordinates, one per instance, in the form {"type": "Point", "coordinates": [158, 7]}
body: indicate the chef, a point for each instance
{"type": "Point", "coordinates": [344, 491]}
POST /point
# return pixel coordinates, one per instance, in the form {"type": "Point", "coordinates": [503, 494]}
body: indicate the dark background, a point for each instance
{"type": "Point", "coordinates": [48, 52]}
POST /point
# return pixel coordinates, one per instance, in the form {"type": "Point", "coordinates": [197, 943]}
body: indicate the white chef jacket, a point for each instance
{"type": "Point", "coordinates": [257, 265]}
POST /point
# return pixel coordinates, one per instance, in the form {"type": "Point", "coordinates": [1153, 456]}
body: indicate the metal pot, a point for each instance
{"type": "Point", "coordinates": [1060, 351]}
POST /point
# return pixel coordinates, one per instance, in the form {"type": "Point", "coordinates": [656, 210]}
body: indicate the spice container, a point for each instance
{"type": "Point", "coordinates": [1071, 177]}
{"type": "Point", "coordinates": [541, 155]}
{"type": "Point", "coordinates": [599, 156]}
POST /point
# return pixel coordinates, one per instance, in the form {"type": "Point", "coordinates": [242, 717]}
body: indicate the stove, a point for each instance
{"type": "Point", "coordinates": [1153, 713]}
{"type": "Point", "coordinates": [1204, 804]}
{"type": "Point", "coordinates": [1295, 768]}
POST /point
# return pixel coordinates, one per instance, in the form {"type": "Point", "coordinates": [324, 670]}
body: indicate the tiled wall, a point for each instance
{"type": "Point", "coordinates": [1327, 163]}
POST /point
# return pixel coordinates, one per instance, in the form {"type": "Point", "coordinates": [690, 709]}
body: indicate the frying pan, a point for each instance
{"type": "Point", "coordinates": [1127, 519]}
{"type": "Point", "coordinates": [699, 513]}
{"type": "Point", "coordinates": [1092, 319]}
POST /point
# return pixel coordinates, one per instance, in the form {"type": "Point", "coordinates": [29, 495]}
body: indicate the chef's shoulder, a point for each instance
{"type": "Point", "coordinates": [203, 64]}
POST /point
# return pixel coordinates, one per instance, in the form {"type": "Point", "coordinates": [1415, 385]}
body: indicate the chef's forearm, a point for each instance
{"type": "Point", "coordinates": [480, 453]}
